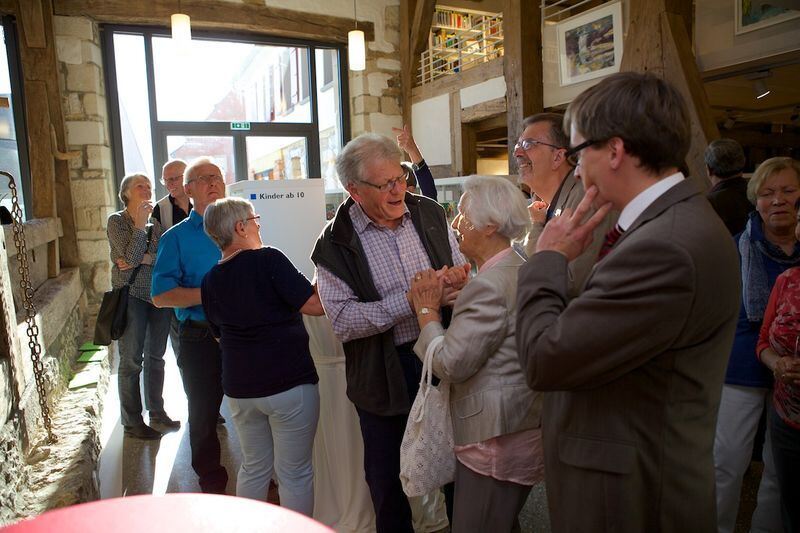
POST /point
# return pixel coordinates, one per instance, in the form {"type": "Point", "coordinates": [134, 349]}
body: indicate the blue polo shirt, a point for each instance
{"type": "Point", "coordinates": [185, 255]}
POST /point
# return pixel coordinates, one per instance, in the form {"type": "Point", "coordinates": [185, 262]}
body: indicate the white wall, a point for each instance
{"type": "Point", "coordinates": [431, 123]}
{"type": "Point", "coordinates": [717, 46]}
{"type": "Point", "coordinates": [483, 92]}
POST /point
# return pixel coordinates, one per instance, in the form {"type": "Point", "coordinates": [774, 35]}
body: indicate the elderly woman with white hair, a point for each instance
{"type": "Point", "coordinates": [496, 417]}
{"type": "Point", "coordinates": [133, 241]}
{"type": "Point", "coordinates": [253, 300]}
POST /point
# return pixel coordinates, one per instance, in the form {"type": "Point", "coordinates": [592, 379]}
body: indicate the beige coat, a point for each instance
{"type": "Point", "coordinates": [635, 365]}
{"type": "Point", "coordinates": [488, 395]}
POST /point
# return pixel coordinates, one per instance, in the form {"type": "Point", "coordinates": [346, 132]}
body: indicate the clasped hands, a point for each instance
{"type": "Point", "coordinates": [435, 289]}
{"type": "Point", "coordinates": [787, 370]}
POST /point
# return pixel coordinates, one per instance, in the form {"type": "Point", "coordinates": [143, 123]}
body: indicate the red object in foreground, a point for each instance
{"type": "Point", "coordinates": [173, 513]}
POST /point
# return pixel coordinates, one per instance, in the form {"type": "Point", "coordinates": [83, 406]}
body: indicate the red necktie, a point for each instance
{"type": "Point", "coordinates": [611, 238]}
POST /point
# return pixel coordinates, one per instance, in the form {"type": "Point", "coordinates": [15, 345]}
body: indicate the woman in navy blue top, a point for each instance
{"type": "Point", "coordinates": [767, 247]}
{"type": "Point", "coordinates": [254, 300]}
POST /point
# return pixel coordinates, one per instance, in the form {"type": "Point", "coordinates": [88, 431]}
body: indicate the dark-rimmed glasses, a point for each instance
{"type": "Point", "coordinates": [254, 217]}
{"type": "Point", "coordinates": [391, 184]}
{"type": "Point", "coordinates": [573, 154]}
{"type": "Point", "coordinates": [527, 144]}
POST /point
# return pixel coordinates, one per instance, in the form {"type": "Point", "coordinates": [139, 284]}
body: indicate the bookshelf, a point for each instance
{"type": "Point", "coordinates": [460, 39]}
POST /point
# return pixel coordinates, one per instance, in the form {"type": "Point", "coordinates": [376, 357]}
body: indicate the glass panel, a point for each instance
{"type": "Point", "coordinates": [218, 149]}
{"type": "Point", "coordinates": [134, 104]}
{"type": "Point", "coordinates": [9, 152]}
{"type": "Point", "coordinates": [276, 158]}
{"type": "Point", "coordinates": [231, 82]}
{"type": "Point", "coordinates": [330, 124]}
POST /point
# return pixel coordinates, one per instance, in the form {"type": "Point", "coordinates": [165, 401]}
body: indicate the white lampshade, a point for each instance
{"type": "Point", "coordinates": [181, 28]}
{"type": "Point", "coordinates": [356, 52]}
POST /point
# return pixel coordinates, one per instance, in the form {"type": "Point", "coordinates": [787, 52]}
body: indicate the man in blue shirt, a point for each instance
{"type": "Point", "coordinates": [185, 254]}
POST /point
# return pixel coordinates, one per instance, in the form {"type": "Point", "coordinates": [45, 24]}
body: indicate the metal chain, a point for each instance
{"type": "Point", "coordinates": [30, 307]}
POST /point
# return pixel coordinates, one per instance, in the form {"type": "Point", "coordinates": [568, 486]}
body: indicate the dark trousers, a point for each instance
{"type": "Point", "coordinates": [201, 371]}
{"type": "Point", "coordinates": [483, 503]}
{"type": "Point", "coordinates": [382, 436]}
{"type": "Point", "coordinates": [786, 456]}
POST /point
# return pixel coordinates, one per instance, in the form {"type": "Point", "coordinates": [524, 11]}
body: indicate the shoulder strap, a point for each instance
{"type": "Point", "coordinates": [147, 247]}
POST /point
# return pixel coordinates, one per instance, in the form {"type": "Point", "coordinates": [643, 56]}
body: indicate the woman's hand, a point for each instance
{"type": "Point", "coordinates": [122, 264]}
{"type": "Point", "coordinates": [538, 211]}
{"type": "Point", "coordinates": [141, 214]}
{"type": "Point", "coordinates": [426, 291]}
{"type": "Point", "coordinates": [406, 143]}
{"type": "Point", "coordinates": [787, 370]}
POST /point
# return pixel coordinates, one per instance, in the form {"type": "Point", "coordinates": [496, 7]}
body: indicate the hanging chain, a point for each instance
{"type": "Point", "coordinates": [30, 307]}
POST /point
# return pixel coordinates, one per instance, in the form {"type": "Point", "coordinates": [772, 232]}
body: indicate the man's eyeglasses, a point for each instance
{"type": "Point", "coordinates": [573, 154]}
{"type": "Point", "coordinates": [208, 179]}
{"type": "Point", "coordinates": [173, 179]}
{"type": "Point", "coordinates": [527, 144]}
{"type": "Point", "coordinates": [254, 217]}
{"type": "Point", "coordinates": [390, 185]}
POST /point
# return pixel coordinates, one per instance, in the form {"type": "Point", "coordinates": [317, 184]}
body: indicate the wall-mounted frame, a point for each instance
{"type": "Point", "coordinates": [754, 15]}
{"type": "Point", "coordinates": [590, 44]}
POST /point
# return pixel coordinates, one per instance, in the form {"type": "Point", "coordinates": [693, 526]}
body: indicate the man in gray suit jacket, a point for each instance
{"type": "Point", "coordinates": [635, 363]}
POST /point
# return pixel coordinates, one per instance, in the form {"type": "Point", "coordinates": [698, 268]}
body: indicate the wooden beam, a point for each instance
{"type": "Point", "coordinates": [456, 146]}
{"type": "Point", "coordinates": [484, 110]}
{"type": "Point", "coordinates": [522, 66]}
{"type": "Point", "coordinates": [33, 22]}
{"type": "Point", "coordinates": [8, 7]}
{"type": "Point", "coordinates": [421, 26]}
{"type": "Point", "coordinates": [407, 8]}
{"type": "Point", "coordinates": [43, 170]}
{"type": "Point", "coordinates": [211, 14]}
{"type": "Point", "coordinates": [459, 80]}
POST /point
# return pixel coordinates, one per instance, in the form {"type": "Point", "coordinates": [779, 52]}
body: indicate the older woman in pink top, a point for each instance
{"type": "Point", "coordinates": [496, 417]}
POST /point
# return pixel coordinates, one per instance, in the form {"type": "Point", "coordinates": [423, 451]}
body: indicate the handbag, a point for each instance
{"type": "Point", "coordinates": [112, 318]}
{"type": "Point", "coordinates": [427, 458]}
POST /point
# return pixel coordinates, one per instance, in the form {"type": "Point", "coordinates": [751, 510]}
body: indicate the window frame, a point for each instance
{"type": "Point", "coordinates": [160, 129]}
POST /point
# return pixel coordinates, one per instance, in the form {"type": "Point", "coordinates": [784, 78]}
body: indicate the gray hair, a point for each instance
{"type": "Point", "coordinates": [492, 200]}
{"type": "Point", "coordinates": [365, 148]}
{"type": "Point", "coordinates": [126, 183]}
{"type": "Point", "coordinates": [766, 169]}
{"type": "Point", "coordinates": [220, 218]}
{"type": "Point", "coordinates": [170, 163]}
{"type": "Point", "coordinates": [188, 174]}
{"type": "Point", "coordinates": [556, 134]}
{"type": "Point", "coordinates": [724, 158]}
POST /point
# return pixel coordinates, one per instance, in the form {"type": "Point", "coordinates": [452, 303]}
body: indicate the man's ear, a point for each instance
{"type": "Point", "coordinates": [187, 187]}
{"type": "Point", "coordinates": [351, 188]}
{"type": "Point", "coordinates": [616, 152]}
{"type": "Point", "coordinates": [559, 158]}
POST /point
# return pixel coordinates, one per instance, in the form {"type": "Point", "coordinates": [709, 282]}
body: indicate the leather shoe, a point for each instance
{"type": "Point", "coordinates": [164, 423]}
{"type": "Point", "coordinates": [142, 431]}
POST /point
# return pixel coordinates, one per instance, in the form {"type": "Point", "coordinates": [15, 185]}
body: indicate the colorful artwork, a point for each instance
{"type": "Point", "coordinates": [590, 44]}
{"type": "Point", "coordinates": [757, 14]}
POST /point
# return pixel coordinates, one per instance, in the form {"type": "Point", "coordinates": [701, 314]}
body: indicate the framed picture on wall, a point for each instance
{"type": "Point", "coordinates": [590, 44]}
{"type": "Point", "coordinates": [757, 14]}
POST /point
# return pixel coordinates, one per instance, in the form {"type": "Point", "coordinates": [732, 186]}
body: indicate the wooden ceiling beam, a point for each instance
{"type": "Point", "coordinates": [421, 26]}
{"type": "Point", "coordinates": [209, 14]}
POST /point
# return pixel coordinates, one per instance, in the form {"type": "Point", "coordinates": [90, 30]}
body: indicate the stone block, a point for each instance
{"type": "Point", "coordinates": [388, 64]}
{"type": "Point", "coordinates": [93, 251]}
{"type": "Point", "coordinates": [392, 17]}
{"type": "Point", "coordinates": [358, 84]}
{"type": "Point", "coordinates": [72, 105]}
{"type": "Point", "coordinates": [377, 82]}
{"type": "Point", "coordinates": [84, 78]}
{"type": "Point", "coordinates": [85, 132]}
{"type": "Point", "coordinates": [389, 106]}
{"type": "Point", "coordinates": [98, 157]}
{"type": "Point", "coordinates": [75, 165]}
{"type": "Point", "coordinates": [91, 53]}
{"type": "Point", "coordinates": [79, 27]}
{"type": "Point", "coordinates": [357, 125]}
{"type": "Point", "coordinates": [91, 235]}
{"type": "Point", "coordinates": [89, 219]}
{"type": "Point", "coordinates": [95, 104]}
{"type": "Point", "coordinates": [89, 193]}
{"type": "Point", "coordinates": [383, 124]}
{"type": "Point", "coordinates": [101, 277]}
{"type": "Point", "coordinates": [68, 50]}
{"type": "Point", "coordinates": [366, 104]}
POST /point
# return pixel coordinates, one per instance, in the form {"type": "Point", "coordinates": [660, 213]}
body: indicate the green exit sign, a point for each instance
{"type": "Point", "coordinates": [240, 125]}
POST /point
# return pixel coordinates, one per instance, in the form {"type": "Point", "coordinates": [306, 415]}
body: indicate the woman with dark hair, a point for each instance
{"type": "Point", "coordinates": [779, 350]}
{"type": "Point", "coordinates": [767, 247]}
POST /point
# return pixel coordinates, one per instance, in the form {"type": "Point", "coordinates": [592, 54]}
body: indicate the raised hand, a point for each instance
{"type": "Point", "coordinates": [406, 143]}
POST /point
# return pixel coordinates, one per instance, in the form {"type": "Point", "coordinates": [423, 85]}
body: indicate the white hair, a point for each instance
{"type": "Point", "coordinates": [495, 201]}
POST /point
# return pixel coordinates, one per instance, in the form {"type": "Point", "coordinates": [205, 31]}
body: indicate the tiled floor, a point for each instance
{"type": "Point", "coordinates": [132, 466]}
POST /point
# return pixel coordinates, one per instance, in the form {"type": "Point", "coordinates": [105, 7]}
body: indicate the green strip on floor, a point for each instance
{"type": "Point", "coordinates": [86, 377]}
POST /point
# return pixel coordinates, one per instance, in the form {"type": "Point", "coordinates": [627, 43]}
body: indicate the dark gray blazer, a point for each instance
{"type": "Point", "coordinates": [635, 365]}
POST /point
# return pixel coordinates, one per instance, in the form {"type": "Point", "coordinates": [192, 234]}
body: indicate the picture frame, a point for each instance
{"type": "Point", "coordinates": [752, 15]}
{"type": "Point", "coordinates": [590, 44]}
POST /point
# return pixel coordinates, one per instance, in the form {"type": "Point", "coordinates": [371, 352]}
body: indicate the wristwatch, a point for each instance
{"type": "Point", "coordinates": [417, 166]}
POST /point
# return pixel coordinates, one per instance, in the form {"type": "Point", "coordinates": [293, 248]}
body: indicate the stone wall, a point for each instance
{"type": "Point", "coordinates": [91, 174]}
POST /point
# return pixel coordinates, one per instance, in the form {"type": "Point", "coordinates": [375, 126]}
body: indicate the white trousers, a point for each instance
{"type": "Point", "coordinates": [278, 430]}
{"type": "Point", "coordinates": [740, 409]}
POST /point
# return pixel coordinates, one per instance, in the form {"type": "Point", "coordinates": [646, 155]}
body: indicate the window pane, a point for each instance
{"type": "Point", "coordinates": [218, 149]}
{"type": "Point", "coordinates": [9, 151]}
{"type": "Point", "coordinates": [230, 82]}
{"type": "Point", "coordinates": [134, 105]}
{"type": "Point", "coordinates": [330, 120]}
{"type": "Point", "coordinates": [276, 158]}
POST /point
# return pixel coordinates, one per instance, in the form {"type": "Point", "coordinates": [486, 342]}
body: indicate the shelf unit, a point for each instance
{"type": "Point", "coordinates": [460, 39]}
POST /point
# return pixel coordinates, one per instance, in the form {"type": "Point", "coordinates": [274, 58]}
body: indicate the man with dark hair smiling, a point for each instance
{"type": "Point", "coordinates": [633, 366]}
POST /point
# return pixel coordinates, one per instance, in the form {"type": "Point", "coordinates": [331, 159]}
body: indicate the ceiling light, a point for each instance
{"type": "Point", "coordinates": [356, 50]}
{"type": "Point", "coordinates": [181, 28]}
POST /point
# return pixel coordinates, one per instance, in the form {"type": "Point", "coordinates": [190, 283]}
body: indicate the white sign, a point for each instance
{"type": "Point", "coordinates": [292, 215]}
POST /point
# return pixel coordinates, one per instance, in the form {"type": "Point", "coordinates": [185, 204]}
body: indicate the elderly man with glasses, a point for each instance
{"type": "Point", "coordinates": [184, 257]}
{"type": "Point", "coordinates": [544, 166]}
{"type": "Point", "coordinates": [365, 258]}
